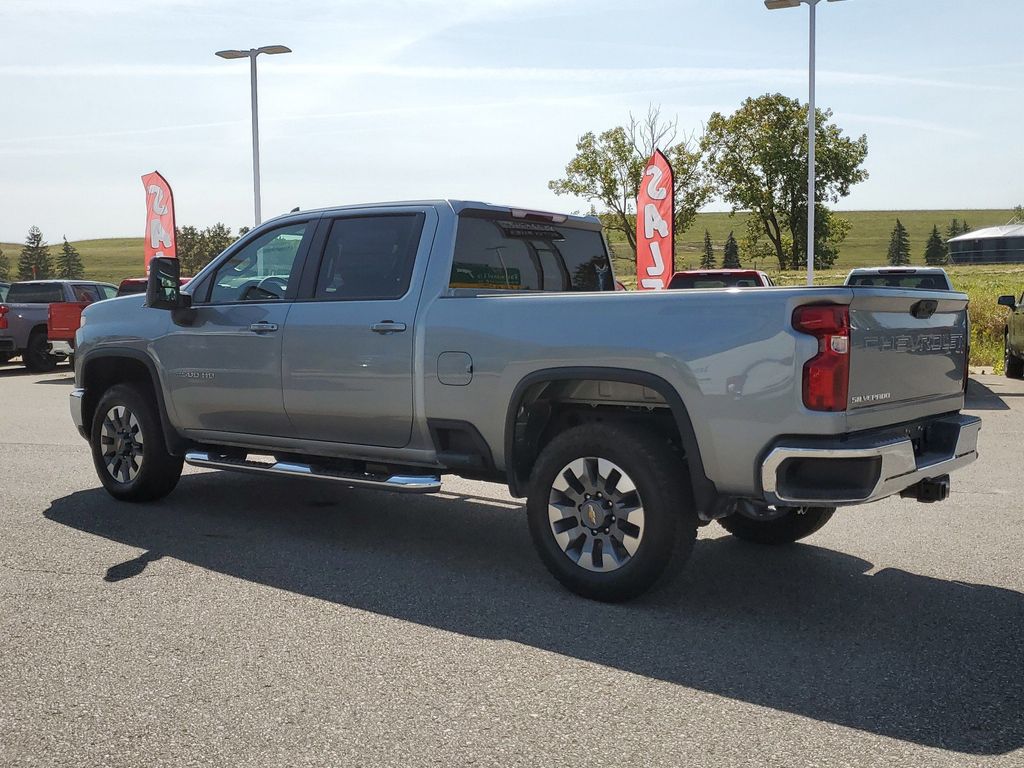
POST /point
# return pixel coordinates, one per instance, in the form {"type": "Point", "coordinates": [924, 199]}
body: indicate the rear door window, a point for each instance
{"type": "Point", "coordinates": [369, 257]}
{"type": "Point", "coordinates": [86, 293]}
{"type": "Point", "coordinates": [496, 252]}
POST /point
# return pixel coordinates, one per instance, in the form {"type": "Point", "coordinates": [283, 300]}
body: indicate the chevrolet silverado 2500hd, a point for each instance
{"type": "Point", "coordinates": [384, 346]}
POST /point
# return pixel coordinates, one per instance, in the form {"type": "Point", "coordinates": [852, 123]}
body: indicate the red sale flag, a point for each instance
{"type": "Point", "coordinates": [159, 240]}
{"type": "Point", "coordinates": [655, 212]}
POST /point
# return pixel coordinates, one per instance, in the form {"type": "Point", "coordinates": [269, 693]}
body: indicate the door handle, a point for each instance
{"type": "Point", "coordinates": [387, 326]}
{"type": "Point", "coordinates": [263, 327]}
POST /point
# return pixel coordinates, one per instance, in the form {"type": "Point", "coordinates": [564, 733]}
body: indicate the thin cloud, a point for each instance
{"type": "Point", "coordinates": [904, 122]}
{"type": "Point", "coordinates": [548, 75]}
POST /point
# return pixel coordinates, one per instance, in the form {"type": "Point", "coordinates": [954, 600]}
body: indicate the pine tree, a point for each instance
{"type": "Point", "coordinates": [5, 266]}
{"type": "Point", "coordinates": [35, 262]}
{"type": "Point", "coordinates": [935, 251]}
{"type": "Point", "coordinates": [957, 228]}
{"type": "Point", "coordinates": [707, 261]}
{"type": "Point", "coordinates": [731, 254]}
{"type": "Point", "coordinates": [899, 245]}
{"type": "Point", "coordinates": [69, 262]}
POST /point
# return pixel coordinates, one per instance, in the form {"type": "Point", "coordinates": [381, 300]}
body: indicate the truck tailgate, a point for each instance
{"type": "Point", "coordinates": [907, 347]}
{"type": "Point", "coordinates": [63, 320]}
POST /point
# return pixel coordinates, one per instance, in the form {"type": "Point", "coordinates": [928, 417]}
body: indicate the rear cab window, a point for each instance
{"type": "Point", "coordinates": [924, 282]}
{"type": "Point", "coordinates": [496, 251]}
{"type": "Point", "coordinates": [35, 293]}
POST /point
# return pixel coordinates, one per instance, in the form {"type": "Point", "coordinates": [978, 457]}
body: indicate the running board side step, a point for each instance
{"type": "Point", "coordinates": [399, 483]}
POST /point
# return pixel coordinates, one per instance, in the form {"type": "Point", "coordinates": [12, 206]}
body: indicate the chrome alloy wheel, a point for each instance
{"type": "Point", "coordinates": [121, 444]}
{"type": "Point", "coordinates": [596, 514]}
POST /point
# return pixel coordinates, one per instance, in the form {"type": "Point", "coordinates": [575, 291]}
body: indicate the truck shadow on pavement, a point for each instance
{"type": "Point", "coordinates": [800, 629]}
{"type": "Point", "coordinates": [982, 398]}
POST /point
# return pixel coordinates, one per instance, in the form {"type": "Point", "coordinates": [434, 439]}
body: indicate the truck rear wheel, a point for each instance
{"type": "Point", "coordinates": [37, 357]}
{"type": "Point", "coordinates": [797, 523]}
{"type": "Point", "coordinates": [609, 509]}
{"type": "Point", "coordinates": [128, 446]}
{"type": "Point", "coordinates": [1013, 366]}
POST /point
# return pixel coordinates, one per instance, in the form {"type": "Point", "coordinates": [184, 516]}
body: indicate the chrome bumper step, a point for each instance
{"type": "Point", "coordinates": [399, 483]}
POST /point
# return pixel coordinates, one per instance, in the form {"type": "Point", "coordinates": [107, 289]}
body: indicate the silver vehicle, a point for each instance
{"type": "Point", "coordinates": [926, 278]}
{"type": "Point", "coordinates": [384, 346]}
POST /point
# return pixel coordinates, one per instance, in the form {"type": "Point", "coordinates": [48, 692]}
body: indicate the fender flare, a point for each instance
{"type": "Point", "coordinates": [176, 445]}
{"type": "Point", "coordinates": [704, 491]}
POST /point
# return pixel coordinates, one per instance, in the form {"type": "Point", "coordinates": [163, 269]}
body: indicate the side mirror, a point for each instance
{"type": "Point", "coordinates": [163, 287]}
{"type": "Point", "coordinates": [1008, 301]}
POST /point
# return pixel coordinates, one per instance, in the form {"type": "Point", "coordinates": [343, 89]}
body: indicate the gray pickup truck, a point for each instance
{"type": "Point", "coordinates": [384, 346]}
{"type": "Point", "coordinates": [23, 316]}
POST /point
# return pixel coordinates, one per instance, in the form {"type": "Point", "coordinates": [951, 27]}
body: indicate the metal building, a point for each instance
{"type": "Point", "coordinates": [992, 245]}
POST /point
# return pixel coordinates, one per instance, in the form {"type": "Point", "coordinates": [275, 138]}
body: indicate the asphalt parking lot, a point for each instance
{"type": "Point", "coordinates": [252, 622]}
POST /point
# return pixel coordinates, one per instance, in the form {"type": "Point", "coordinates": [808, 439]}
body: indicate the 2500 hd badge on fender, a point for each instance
{"type": "Point", "coordinates": [384, 346]}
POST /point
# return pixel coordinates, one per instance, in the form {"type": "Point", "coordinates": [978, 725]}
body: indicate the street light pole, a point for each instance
{"type": "Point", "coordinates": [811, 136]}
{"type": "Point", "coordinates": [773, 5]}
{"type": "Point", "coordinates": [256, 137]}
{"type": "Point", "coordinates": [251, 54]}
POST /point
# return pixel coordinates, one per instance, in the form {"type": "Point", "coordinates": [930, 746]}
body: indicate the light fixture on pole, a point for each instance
{"type": "Point", "coordinates": [251, 54]}
{"type": "Point", "coordinates": [774, 5]}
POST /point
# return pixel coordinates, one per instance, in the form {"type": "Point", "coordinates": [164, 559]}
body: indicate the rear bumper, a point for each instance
{"type": "Point", "coordinates": [61, 348]}
{"type": "Point", "coordinates": [7, 345]}
{"type": "Point", "coordinates": [865, 468]}
{"type": "Point", "coordinates": [76, 398]}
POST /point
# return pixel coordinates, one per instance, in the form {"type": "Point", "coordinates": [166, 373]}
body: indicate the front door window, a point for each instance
{"type": "Point", "coordinates": [260, 271]}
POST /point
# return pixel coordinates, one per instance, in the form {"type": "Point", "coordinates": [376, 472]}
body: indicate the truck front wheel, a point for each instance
{"type": "Point", "coordinates": [128, 447]}
{"type": "Point", "coordinates": [609, 509]}
{"type": "Point", "coordinates": [797, 523]}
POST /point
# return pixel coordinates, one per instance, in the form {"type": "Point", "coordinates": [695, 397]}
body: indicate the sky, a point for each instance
{"type": "Point", "coordinates": [472, 99]}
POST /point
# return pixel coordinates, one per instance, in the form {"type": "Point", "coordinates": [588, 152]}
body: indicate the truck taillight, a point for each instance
{"type": "Point", "coordinates": [827, 374]}
{"type": "Point", "coordinates": [4, 309]}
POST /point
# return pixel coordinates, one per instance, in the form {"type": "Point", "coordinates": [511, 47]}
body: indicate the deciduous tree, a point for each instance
{"type": "Point", "coordinates": [197, 248]}
{"type": "Point", "coordinates": [757, 158]}
{"type": "Point", "coordinates": [5, 266]}
{"type": "Point", "coordinates": [608, 168]}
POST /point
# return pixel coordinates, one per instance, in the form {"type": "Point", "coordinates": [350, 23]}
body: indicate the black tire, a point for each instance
{"type": "Point", "coordinates": [127, 440]}
{"type": "Point", "coordinates": [798, 523]}
{"type": "Point", "coordinates": [1013, 366]}
{"type": "Point", "coordinates": [37, 357]}
{"type": "Point", "coordinates": [667, 524]}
